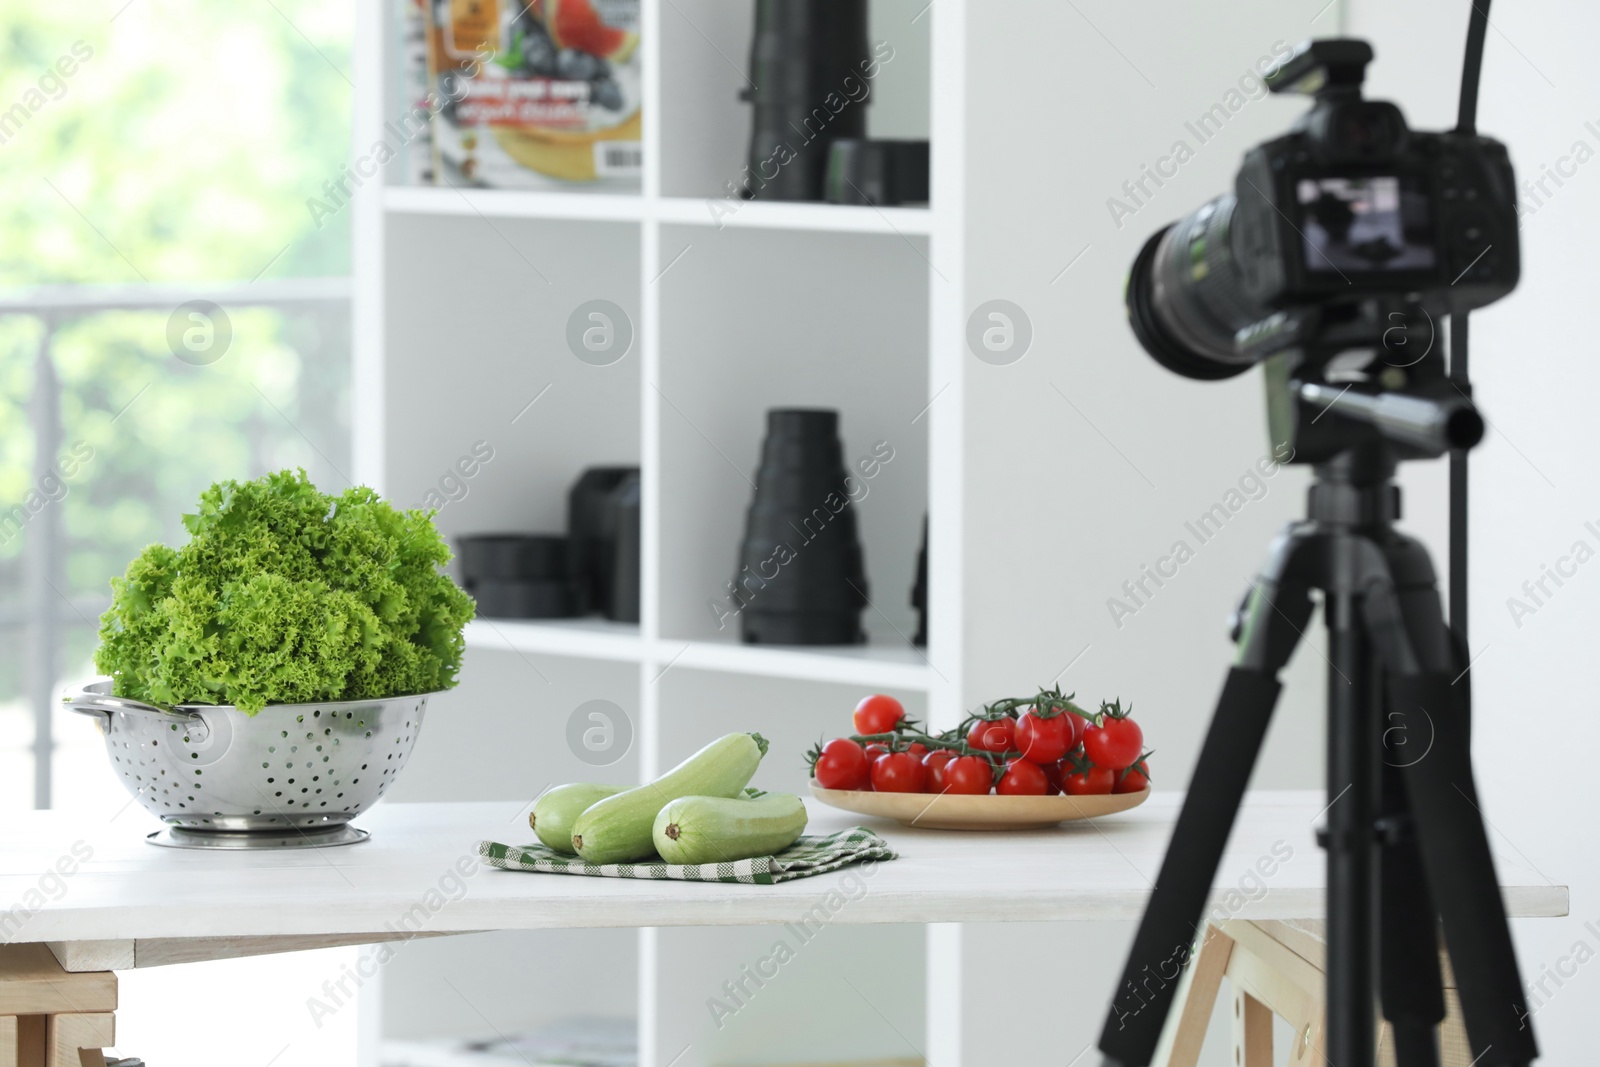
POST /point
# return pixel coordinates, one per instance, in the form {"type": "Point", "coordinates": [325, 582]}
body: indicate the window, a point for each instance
{"type": "Point", "coordinates": [171, 312]}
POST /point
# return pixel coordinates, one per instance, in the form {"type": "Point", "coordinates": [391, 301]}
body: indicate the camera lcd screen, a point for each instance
{"type": "Point", "coordinates": [1378, 224]}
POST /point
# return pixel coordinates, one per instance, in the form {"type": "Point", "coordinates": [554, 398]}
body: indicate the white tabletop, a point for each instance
{"type": "Point", "coordinates": [405, 878]}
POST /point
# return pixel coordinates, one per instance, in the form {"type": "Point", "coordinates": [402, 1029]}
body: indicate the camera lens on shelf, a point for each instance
{"type": "Point", "coordinates": [804, 54]}
{"type": "Point", "coordinates": [801, 577]}
{"type": "Point", "coordinates": [517, 576]}
{"type": "Point", "coordinates": [592, 527]}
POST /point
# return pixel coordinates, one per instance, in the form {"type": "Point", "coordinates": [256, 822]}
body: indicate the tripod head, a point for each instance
{"type": "Point", "coordinates": [1364, 372]}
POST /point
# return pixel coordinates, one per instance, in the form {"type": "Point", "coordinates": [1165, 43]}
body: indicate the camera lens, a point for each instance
{"type": "Point", "coordinates": [1186, 299]}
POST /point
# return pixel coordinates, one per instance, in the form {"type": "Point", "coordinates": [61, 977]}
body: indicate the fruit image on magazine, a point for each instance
{"type": "Point", "coordinates": [536, 96]}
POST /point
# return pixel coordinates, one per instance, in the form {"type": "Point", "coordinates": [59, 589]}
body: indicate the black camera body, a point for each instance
{"type": "Point", "coordinates": [1349, 216]}
{"type": "Point", "coordinates": [1353, 202]}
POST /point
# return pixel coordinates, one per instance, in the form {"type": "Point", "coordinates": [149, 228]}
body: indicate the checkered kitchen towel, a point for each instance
{"type": "Point", "coordinates": [807, 856]}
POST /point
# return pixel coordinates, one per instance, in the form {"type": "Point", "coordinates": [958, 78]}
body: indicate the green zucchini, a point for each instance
{"type": "Point", "coordinates": [617, 829]}
{"type": "Point", "coordinates": [554, 813]}
{"type": "Point", "coordinates": [719, 830]}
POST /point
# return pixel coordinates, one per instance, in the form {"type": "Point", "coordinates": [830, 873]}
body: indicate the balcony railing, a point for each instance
{"type": "Point", "coordinates": [45, 607]}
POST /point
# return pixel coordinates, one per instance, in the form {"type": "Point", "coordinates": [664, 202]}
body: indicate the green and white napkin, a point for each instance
{"type": "Point", "coordinates": [807, 856]}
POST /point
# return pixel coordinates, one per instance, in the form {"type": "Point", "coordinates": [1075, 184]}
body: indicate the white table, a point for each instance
{"type": "Point", "coordinates": [130, 904]}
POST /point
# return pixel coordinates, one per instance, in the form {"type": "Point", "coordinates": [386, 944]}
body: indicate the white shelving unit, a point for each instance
{"type": "Point", "coordinates": [461, 304]}
{"type": "Point", "coordinates": [1047, 481]}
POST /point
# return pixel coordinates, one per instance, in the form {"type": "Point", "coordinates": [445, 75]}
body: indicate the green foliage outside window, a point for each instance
{"type": "Point", "coordinates": [169, 142]}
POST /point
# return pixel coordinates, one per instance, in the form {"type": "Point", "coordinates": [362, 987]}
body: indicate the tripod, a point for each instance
{"type": "Point", "coordinates": [1405, 841]}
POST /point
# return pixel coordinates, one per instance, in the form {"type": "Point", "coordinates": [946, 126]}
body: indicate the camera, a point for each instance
{"type": "Point", "coordinates": [1334, 231]}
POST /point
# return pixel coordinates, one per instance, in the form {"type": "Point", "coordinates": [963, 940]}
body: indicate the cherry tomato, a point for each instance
{"type": "Point", "coordinates": [1077, 723]}
{"type": "Point", "coordinates": [1052, 774]}
{"type": "Point", "coordinates": [1023, 778]}
{"type": "Point", "coordinates": [1091, 781]}
{"type": "Point", "coordinates": [917, 749]}
{"type": "Point", "coordinates": [876, 749]}
{"type": "Point", "coordinates": [843, 765]}
{"type": "Point", "coordinates": [898, 772]}
{"type": "Point", "coordinates": [1114, 743]}
{"type": "Point", "coordinates": [1133, 779]}
{"type": "Point", "coordinates": [878, 714]}
{"type": "Point", "coordinates": [1044, 740]}
{"type": "Point", "coordinates": [935, 762]}
{"type": "Point", "coordinates": [993, 735]}
{"type": "Point", "coordinates": [968, 776]}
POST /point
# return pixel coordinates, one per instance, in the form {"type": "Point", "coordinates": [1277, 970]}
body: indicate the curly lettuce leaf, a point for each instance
{"type": "Point", "coordinates": [285, 594]}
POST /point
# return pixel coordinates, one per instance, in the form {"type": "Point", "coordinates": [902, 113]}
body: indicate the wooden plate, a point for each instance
{"type": "Point", "coordinates": [953, 812]}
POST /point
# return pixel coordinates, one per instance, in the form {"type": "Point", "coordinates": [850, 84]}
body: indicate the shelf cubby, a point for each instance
{"type": "Point", "coordinates": [709, 42]}
{"type": "Point", "coordinates": [795, 320]}
{"type": "Point", "coordinates": [487, 985]}
{"type": "Point", "coordinates": [852, 1017]}
{"type": "Point", "coordinates": [501, 734]}
{"type": "Point", "coordinates": [479, 363]}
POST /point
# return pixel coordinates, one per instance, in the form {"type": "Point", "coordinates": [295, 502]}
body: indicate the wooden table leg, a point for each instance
{"type": "Point", "coordinates": [1252, 1031]}
{"type": "Point", "coordinates": [32, 1038]}
{"type": "Point", "coordinates": [1276, 969]}
{"type": "Point", "coordinates": [76, 1040]}
{"type": "Point", "coordinates": [1202, 982]}
{"type": "Point", "coordinates": [59, 1018]}
{"type": "Point", "coordinates": [1311, 1045]}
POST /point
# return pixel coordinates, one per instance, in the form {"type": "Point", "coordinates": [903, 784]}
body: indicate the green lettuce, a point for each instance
{"type": "Point", "coordinates": [287, 595]}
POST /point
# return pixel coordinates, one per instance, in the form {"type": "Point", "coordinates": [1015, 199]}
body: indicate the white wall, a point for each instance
{"type": "Point", "coordinates": [1533, 482]}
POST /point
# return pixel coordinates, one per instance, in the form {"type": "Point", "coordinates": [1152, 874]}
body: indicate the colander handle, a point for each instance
{"type": "Point", "coordinates": [86, 700]}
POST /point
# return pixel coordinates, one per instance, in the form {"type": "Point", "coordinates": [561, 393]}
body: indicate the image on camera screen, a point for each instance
{"type": "Point", "coordinates": [1365, 225]}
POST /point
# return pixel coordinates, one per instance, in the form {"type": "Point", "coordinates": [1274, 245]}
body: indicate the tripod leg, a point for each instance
{"type": "Point", "coordinates": [1172, 921]}
{"type": "Point", "coordinates": [1455, 852]}
{"type": "Point", "coordinates": [1354, 699]}
{"type": "Point", "coordinates": [1410, 984]}
{"type": "Point", "coordinates": [1452, 842]}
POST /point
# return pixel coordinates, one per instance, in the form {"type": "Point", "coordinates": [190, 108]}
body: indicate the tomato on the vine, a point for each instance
{"type": "Point", "coordinates": [993, 735]}
{"type": "Point", "coordinates": [935, 762]}
{"type": "Point", "coordinates": [1044, 740]}
{"type": "Point", "coordinates": [968, 776]}
{"type": "Point", "coordinates": [1133, 779]}
{"type": "Point", "coordinates": [1078, 724]}
{"type": "Point", "coordinates": [917, 749]}
{"type": "Point", "coordinates": [898, 772]}
{"type": "Point", "coordinates": [1091, 781]}
{"type": "Point", "coordinates": [876, 749]}
{"type": "Point", "coordinates": [1052, 775]}
{"type": "Point", "coordinates": [878, 714]}
{"type": "Point", "coordinates": [1114, 740]}
{"type": "Point", "coordinates": [1023, 778]}
{"type": "Point", "coordinates": [843, 765]}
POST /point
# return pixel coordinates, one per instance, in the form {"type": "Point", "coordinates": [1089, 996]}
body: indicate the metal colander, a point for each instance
{"type": "Point", "coordinates": [290, 774]}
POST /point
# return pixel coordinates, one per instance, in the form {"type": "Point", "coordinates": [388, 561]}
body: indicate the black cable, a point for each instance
{"type": "Point", "coordinates": [1477, 29]}
{"type": "Point", "coordinates": [1458, 487]}
{"type": "Point", "coordinates": [1466, 123]}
